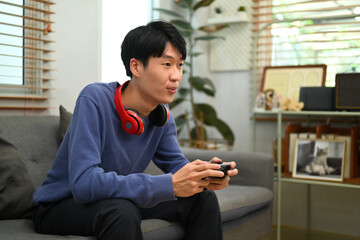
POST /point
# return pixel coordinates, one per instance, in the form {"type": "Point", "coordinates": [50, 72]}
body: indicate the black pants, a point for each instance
{"type": "Point", "coordinates": [121, 218]}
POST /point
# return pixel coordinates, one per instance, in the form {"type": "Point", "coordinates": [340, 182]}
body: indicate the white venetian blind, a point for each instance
{"type": "Point", "coordinates": [25, 54]}
{"type": "Point", "coordinates": [300, 32]}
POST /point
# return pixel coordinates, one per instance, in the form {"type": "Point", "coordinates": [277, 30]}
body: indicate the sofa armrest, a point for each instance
{"type": "Point", "coordinates": [255, 169]}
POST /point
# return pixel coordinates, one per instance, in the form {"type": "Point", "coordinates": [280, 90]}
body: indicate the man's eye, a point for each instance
{"type": "Point", "coordinates": [181, 64]}
{"type": "Point", "coordinates": [167, 64]}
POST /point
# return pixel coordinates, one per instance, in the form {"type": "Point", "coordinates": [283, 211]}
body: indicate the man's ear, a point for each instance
{"type": "Point", "coordinates": [136, 67]}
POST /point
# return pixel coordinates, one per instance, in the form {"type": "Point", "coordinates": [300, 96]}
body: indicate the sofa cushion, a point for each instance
{"type": "Point", "coordinates": [238, 201]}
{"type": "Point", "coordinates": [16, 187]}
{"type": "Point", "coordinates": [36, 138]}
{"type": "Point", "coordinates": [157, 229]}
{"type": "Point", "coordinates": [65, 119]}
{"type": "Point", "coordinates": [22, 229]}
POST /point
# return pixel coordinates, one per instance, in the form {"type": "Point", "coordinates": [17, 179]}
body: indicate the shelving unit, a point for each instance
{"type": "Point", "coordinates": [229, 19]}
{"type": "Point", "coordinates": [279, 176]}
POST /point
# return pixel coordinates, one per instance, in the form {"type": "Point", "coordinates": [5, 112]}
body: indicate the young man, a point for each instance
{"type": "Point", "coordinates": [96, 186]}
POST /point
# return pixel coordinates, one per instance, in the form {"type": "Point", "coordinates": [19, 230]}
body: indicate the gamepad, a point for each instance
{"type": "Point", "coordinates": [224, 168]}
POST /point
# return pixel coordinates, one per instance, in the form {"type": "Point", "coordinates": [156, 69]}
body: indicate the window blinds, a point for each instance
{"type": "Point", "coordinates": [300, 32]}
{"type": "Point", "coordinates": [25, 54]}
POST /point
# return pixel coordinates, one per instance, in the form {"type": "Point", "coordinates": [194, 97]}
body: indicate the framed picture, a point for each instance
{"type": "Point", "coordinates": [287, 80]}
{"type": "Point", "coordinates": [319, 159]}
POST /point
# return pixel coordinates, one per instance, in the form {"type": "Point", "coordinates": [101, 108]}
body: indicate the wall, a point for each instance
{"type": "Point", "coordinates": [78, 49]}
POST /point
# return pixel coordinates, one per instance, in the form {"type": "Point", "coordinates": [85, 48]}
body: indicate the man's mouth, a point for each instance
{"type": "Point", "coordinates": [172, 90]}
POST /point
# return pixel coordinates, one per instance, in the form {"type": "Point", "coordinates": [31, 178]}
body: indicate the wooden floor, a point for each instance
{"type": "Point", "coordinates": [297, 234]}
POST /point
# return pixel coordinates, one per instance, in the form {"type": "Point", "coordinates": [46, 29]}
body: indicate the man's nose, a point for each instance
{"type": "Point", "coordinates": [176, 74]}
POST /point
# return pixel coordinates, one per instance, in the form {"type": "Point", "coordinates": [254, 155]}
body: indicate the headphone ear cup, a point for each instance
{"type": "Point", "coordinates": [133, 124]}
{"type": "Point", "coordinates": [159, 116]}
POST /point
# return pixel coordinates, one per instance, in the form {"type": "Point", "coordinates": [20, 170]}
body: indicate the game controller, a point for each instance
{"type": "Point", "coordinates": [224, 168]}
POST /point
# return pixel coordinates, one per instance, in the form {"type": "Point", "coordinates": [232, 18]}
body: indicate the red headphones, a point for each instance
{"type": "Point", "coordinates": [131, 121]}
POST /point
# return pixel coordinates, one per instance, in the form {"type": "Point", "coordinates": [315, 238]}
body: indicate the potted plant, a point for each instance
{"type": "Point", "coordinates": [241, 12]}
{"type": "Point", "coordinates": [200, 114]}
{"type": "Point", "coordinates": [218, 12]}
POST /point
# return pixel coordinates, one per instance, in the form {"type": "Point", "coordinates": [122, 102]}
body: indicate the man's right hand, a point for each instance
{"type": "Point", "coordinates": [193, 177]}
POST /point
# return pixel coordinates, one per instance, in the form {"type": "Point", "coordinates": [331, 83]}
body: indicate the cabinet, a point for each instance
{"type": "Point", "coordinates": [279, 176]}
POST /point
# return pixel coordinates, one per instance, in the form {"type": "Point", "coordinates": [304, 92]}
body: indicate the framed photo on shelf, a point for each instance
{"type": "Point", "coordinates": [319, 159]}
{"type": "Point", "coordinates": [287, 80]}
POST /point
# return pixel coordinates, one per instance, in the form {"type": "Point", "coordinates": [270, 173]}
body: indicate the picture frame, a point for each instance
{"type": "Point", "coordinates": [287, 80]}
{"type": "Point", "coordinates": [319, 159]}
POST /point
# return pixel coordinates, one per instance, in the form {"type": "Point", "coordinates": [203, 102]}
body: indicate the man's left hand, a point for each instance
{"type": "Point", "coordinates": [220, 183]}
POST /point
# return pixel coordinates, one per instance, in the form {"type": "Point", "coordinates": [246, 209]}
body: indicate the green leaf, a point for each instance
{"type": "Point", "coordinates": [184, 3]}
{"type": "Point", "coordinates": [181, 24]}
{"type": "Point", "coordinates": [208, 38]}
{"type": "Point", "coordinates": [224, 130]}
{"type": "Point", "coordinates": [184, 33]}
{"type": "Point", "coordinates": [202, 3]}
{"type": "Point", "coordinates": [204, 85]}
{"type": "Point", "coordinates": [176, 102]}
{"type": "Point", "coordinates": [208, 111]}
{"type": "Point", "coordinates": [169, 12]}
{"type": "Point", "coordinates": [180, 122]}
{"type": "Point", "coordinates": [184, 91]}
{"type": "Point", "coordinates": [195, 54]}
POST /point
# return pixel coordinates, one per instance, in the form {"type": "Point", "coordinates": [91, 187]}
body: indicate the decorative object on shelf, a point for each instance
{"type": "Point", "coordinates": [269, 94]}
{"type": "Point", "coordinates": [319, 159]}
{"type": "Point", "coordinates": [287, 80]}
{"type": "Point", "coordinates": [260, 101]}
{"type": "Point", "coordinates": [201, 114]}
{"type": "Point", "coordinates": [268, 100]}
{"type": "Point", "coordinates": [290, 105]}
{"type": "Point", "coordinates": [241, 13]}
{"type": "Point", "coordinates": [218, 12]}
{"type": "Point", "coordinates": [347, 91]}
{"type": "Point", "coordinates": [234, 54]}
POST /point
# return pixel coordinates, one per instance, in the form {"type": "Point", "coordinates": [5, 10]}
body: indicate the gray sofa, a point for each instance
{"type": "Point", "coordinates": [245, 204]}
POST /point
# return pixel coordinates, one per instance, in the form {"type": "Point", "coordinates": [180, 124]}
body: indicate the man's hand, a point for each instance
{"type": "Point", "coordinates": [220, 183]}
{"type": "Point", "coordinates": [197, 175]}
{"type": "Point", "coordinates": [194, 177]}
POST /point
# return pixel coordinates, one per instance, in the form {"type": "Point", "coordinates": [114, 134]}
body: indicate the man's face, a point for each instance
{"type": "Point", "coordinates": [160, 79]}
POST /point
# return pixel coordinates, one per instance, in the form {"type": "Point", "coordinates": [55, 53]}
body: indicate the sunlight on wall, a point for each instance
{"type": "Point", "coordinates": [117, 20]}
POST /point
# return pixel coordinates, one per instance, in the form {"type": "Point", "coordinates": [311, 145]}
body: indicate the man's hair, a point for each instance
{"type": "Point", "coordinates": [148, 41]}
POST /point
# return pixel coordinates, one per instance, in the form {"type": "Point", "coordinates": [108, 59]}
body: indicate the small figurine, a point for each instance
{"type": "Point", "coordinates": [289, 105]}
{"type": "Point", "coordinates": [269, 94]}
{"type": "Point", "coordinates": [260, 101]}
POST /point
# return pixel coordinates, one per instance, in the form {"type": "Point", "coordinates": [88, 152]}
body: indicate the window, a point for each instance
{"type": "Point", "coordinates": [11, 57]}
{"type": "Point", "coordinates": [25, 72]}
{"type": "Point", "coordinates": [300, 32]}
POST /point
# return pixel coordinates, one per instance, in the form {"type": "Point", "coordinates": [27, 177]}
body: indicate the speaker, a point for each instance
{"type": "Point", "coordinates": [318, 98]}
{"type": "Point", "coordinates": [347, 91]}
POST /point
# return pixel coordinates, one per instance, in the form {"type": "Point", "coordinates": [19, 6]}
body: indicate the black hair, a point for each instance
{"type": "Point", "coordinates": [149, 41]}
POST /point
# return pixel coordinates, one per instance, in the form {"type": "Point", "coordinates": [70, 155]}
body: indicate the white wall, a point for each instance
{"type": "Point", "coordinates": [78, 53]}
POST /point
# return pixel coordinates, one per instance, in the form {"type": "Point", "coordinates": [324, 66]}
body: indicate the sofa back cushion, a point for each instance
{"type": "Point", "coordinates": [16, 187]}
{"type": "Point", "coordinates": [37, 140]}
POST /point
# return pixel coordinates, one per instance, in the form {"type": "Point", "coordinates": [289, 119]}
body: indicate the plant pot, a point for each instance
{"type": "Point", "coordinates": [210, 144]}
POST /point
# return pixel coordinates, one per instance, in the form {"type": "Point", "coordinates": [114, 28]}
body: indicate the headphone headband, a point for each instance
{"type": "Point", "coordinates": [131, 121]}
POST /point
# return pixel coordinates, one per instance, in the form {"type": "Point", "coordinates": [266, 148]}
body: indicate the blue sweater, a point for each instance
{"type": "Point", "coordinates": [99, 160]}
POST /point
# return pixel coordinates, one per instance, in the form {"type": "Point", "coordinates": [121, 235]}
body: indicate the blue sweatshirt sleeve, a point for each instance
{"type": "Point", "coordinates": [168, 156]}
{"type": "Point", "coordinates": [89, 182]}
